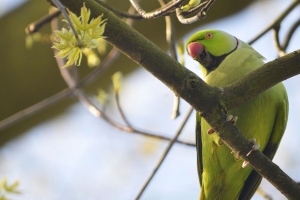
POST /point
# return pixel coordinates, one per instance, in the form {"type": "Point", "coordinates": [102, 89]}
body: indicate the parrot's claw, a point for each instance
{"type": "Point", "coordinates": [255, 147]}
{"type": "Point", "coordinates": [231, 118]}
{"type": "Point", "coordinates": [245, 164]}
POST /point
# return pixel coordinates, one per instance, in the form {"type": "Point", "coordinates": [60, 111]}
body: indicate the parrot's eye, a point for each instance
{"type": "Point", "coordinates": [209, 35]}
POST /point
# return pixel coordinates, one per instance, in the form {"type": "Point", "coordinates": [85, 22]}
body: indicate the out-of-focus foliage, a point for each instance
{"type": "Point", "coordinates": [191, 4]}
{"type": "Point", "coordinates": [8, 189]}
{"type": "Point", "coordinates": [117, 78]}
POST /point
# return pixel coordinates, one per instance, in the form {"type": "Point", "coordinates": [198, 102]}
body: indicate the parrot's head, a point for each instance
{"type": "Point", "coordinates": [210, 48]}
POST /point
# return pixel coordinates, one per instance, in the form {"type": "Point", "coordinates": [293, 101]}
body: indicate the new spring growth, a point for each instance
{"type": "Point", "coordinates": [191, 4]}
{"type": "Point", "coordinates": [89, 32]}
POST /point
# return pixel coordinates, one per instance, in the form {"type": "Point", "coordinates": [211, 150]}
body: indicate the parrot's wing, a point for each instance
{"type": "Point", "coordinates": [254, 178]}
{"type": "Point", "coordinates": [278, 130]}
{"type": "Point", "coordinates": [199, 147]}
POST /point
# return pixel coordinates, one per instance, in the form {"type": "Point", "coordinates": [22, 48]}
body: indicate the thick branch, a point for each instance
{"type": "Point", "coordinates": [261, 79]}
{"type": "Point", "coordinates": [190, 87]}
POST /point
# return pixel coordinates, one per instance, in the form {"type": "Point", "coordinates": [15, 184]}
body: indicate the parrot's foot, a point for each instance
{"type": "Point", "coordinates": [231, 118]}
{"type": "Point", "coordinates": [255, 147]}
{"type": "Point", "coordinates": [245, 164]}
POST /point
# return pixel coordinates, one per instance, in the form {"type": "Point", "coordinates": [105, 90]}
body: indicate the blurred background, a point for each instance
{"type": "Point", "coordinates": [64, 152]}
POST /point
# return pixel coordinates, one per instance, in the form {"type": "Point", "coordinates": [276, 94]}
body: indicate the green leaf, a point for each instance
{"type": "Point", "coordinates": [89, 35]}
{"type": "Point", "coordinates": [191, 4]}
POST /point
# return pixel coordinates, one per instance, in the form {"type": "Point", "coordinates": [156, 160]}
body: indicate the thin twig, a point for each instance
{"type": "Point", "coordinates": [158, 12]}
{"type": "Point", "coordinates": [203, 7]}
{"type": "Point", "coordinates": [161, 137]}
{"type": "Point", "coordinates": [170, 35]}
{"type": "Point", "coordinates": [171, 42]}
{"type": "Point", "coordinates": [105, 64]}
{"type": "Point", "coordinates": [119, 12]}
{"type": "Point", "coordinates": [42, 105]}
{"type": "Point", "coordinates": [36, 26]}
{"type": "Point", "coordinates": [176, 105]}
{"type": "Point", "coordinates": [62, 8]}
{"type": "Point", "coordinates": [276, 22]}
{"type": "Point", "coordinates": [280, 50]}
{"type": "Point", "coordinates": [132, 129]}
{"type": "Point", "coordinates": [121, 110]}
{"type": "Point", "coordinates": [290, 34]}
{"type": "Point", "coordinates": [165, 153]}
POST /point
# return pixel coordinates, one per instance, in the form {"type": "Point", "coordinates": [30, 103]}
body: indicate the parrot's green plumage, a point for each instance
{"type": "Point", "coordinates": [225, 59]}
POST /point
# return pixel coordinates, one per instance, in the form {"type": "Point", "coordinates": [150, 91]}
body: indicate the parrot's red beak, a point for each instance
{"type": "Point", "coordinates": [198, 53]}
{"type": "Point", "coordinates": [195, 49]}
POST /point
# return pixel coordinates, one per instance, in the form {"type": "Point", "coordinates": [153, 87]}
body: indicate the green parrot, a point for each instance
{"type": "Point", "coordinates": [225, 59]}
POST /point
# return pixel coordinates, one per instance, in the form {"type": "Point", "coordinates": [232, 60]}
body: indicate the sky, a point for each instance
{"type": "Point", "coordinates": [92, 160]}
{"type": "Point", "coordinates": [8, 5]}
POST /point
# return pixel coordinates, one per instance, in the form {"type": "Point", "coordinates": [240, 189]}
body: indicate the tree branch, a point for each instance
{"type": "Point", "coordinates": [119, 12]}
{"type": "Point", "coordinates": [204, 98]}
{"type": "Point", "coordinates": [158, 12]}
{"type": "Point", "coordinates": [261, 79]}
